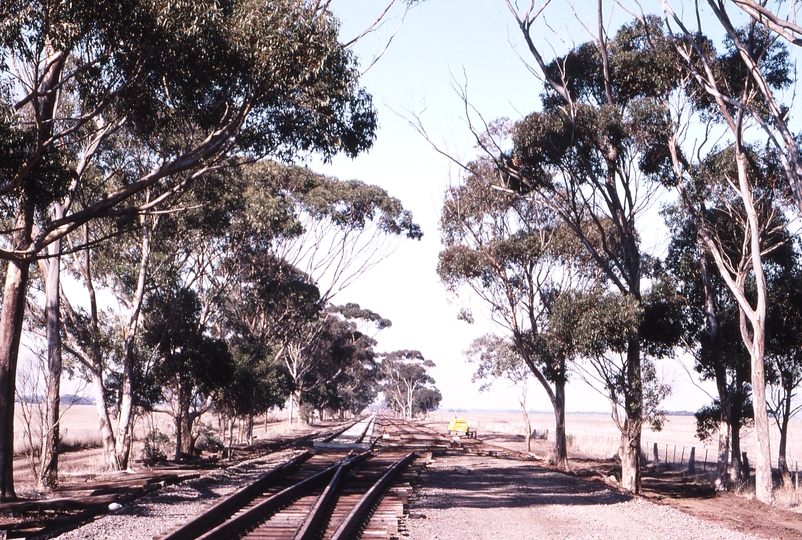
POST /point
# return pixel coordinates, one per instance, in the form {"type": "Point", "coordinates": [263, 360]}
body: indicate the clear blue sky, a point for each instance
{"type": "Point", "coordinates": [445, 44]}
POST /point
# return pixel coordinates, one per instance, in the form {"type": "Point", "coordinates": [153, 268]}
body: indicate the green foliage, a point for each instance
{"type": "Point", "coordinates": [426, 400]}
{"type": "Point", "coordinates": [353, 311]}
{"type": "Point", "coordinates": [707, 418]}
{"type": "Point", "coordinates": [208, 439]}
{"type": "Point", "coordinates": [154, 445]}
{"type": "Point", "coordinates": [345, 377]}
{"type": "Point", "coordinates": [256, 386]}
{"type": "Point", "coordinates": [166, 93]}
{"type": "Point", "coordinates": [595, 322]}
{"type": "Point", "coordinates": [496, 358]}
{"type": "Point", "coordinates": [188, 360]}
{"type": "Point", "coordinates": [348, 205]}
{"type": "Point", "coordinates": [406, 385]}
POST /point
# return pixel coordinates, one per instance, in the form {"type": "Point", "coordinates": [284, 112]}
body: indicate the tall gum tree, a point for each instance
{"type": "Point", "coordinates": [737, 87]}
{"type": "Point", "coordinates": [587, 156]}
{"type": "Point", "coordinates": [346, 228]}
{"type": "Point", "coordinates": [514, 255]}
{"type": "Point", "coordinates": [194, 82]}
{"type": "Point", "coordinates": [713, 312]}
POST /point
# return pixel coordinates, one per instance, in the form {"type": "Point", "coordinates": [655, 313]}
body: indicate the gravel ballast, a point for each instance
{"type": "Point", "coordinates": [156, 514]}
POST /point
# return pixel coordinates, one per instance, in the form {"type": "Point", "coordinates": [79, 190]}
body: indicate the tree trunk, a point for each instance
{"type": "Point", "coordinates": [230, 438]}
{"type": "Point", "coordinates": [724, 430]}
{"type": "Point", "coordinates": [14, 294]}
{"type": "Point", "coordinates": [719, 367]}
{"type": "Point", "coordinates": [249, 429]}
{"type": "Point", "coordinates": [736, 473]}
{"type": "Point", "coordinates": [186, 433]}
{"type": "Point", "coordinates": [295, 406]}
{"type": "Point", "coordinates": [106, 433]}
{"type": "Point", "coordinates": [782, 459]}
{"type": "Point", "coordinates": [631, 434]}
{"type": "Point", "coordinates": [178, 424]}
{"type": "Point", "coordinates": [560, 442]}
{"type": "Point", "coordinates": [764, 486]}
{"type": "Point", "coordinates": [756, 342]}
{"type": "Point", "coordinates": [50, 446]}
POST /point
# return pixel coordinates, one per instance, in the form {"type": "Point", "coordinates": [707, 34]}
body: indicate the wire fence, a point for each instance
{"type": "Point", "coordinates": [697, 458]}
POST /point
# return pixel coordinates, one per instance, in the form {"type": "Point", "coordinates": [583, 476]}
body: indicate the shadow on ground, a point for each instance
{"type": "Point", "coordinates": [487, 486]}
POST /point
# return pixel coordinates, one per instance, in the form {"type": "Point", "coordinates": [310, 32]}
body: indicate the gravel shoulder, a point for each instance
{"type": "Point", "coordinates": [157, 513]}
{"type": "Point", "coordinates": [492, 498]}
{"type": "Point", "coordinates": [475, 496]}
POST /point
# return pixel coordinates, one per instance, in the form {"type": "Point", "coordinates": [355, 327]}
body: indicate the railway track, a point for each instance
{"type": "Point", "coordinates": [353, 485]}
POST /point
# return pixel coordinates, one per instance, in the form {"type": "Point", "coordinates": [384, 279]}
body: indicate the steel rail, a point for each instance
{"type": "Point", "coordinates": [260, 512]}
{"type": "Point", "coordinates": [321, 511]}
{"type": "Point", "coordinates": [245, 521]}
{"type": "Point", "coordinates": [356, 519]}
{"type": "Point", "coordinates": [231, 504]}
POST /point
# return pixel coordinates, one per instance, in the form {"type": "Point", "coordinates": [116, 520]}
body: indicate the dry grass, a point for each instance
{"type": "Point", "coordinates": [596, 435]}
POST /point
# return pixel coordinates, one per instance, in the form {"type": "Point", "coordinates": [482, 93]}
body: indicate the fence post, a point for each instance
{"type": "Point", "coordinates": [674, 459]}
{"type": "Point", "coordinates": [691, 459]}
{"type": "Point", "coordinates": [682, 457]}
{"type": "Point", "coordinates": [656, 454]}
{"type": "Point", "coordinates": [704, 467]}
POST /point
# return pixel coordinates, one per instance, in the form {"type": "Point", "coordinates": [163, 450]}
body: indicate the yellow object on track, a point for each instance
{"type": "Point", "coordinates": [458, 425]}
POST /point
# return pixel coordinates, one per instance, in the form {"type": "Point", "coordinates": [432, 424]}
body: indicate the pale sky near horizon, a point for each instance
{"type": "Point", "coordinates": [442, 45]}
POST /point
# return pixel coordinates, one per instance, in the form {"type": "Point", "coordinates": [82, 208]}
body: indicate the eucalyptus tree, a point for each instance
{"type": "Point", "coordinates": [405, 381]}
{"type": "Point", "coordinates": [734, 91]}
{"type": "Point", "coordinates": [122, 269]}
{"type": "Point", "coordinates": [712, 335]}
{"type": "Point", "coordinates": [427, 399]}
{"type": "Point", "coordinates": [144, 252]}
{"type": "Point", "coordinates": [256, 386]}
{"type": "Point", "coordinates": [784, 348]}
{"type": "Point", "coordinates": [346, 376]}
{"type": "Point", "coordinates": [190, 367]}
{"type": "Point", "coordinates": [772, 115]}
{"type": "Point", "coordinates": [194, 83]}
{"type": "Point", "coordinates": [346, 228]}
{"type": "Point", "coordinates": [588, 156]}
{"type": "Point", "coordinates": [514, 254]}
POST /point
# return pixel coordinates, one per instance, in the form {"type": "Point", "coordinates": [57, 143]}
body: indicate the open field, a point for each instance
{"type": "Point", "coordinates": [80, 430]}
{"type": "Point", "coordinates": [596, 434]}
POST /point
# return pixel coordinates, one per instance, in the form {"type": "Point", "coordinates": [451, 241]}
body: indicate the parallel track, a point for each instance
{"type": "Point", "coordinates": [333, 494]}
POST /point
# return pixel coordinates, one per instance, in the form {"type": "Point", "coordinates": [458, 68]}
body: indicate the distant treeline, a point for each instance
{"type": "Point", "coordinates": [66, 400]}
